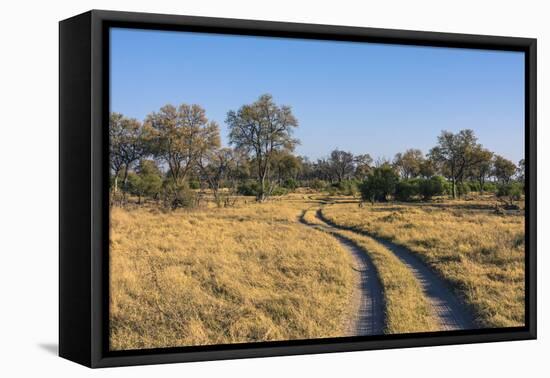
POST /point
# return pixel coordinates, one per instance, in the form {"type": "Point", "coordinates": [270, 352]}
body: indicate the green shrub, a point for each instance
{"type": "Point", "coordinates": [318, 184]}
{"type": "Point", "coordinates": [194, 184]}
{"type": "Point", "coordinates": [252, 188]}
{"type": "Point", "coordinates": [434, 186]}
{"type": "Point", "coordinates": [490, 187]}
{"type": "Point", "coordinates": [133, 183]}
{"type": "Point", "coordinates": [279, 191]}
{"type": "Point", "coordinates": [344, 187]}
{"type": "Point", "coordinates": [348, 187]}
{"type": "Point", "coordinates": [511, 191]}
{"type": "Point", "coordinates": [178, 195]}
{"type": "Point", "coordinates": [407, 190]}
{"type": "Point", "coordinates": [185, 197]}
{"type": "Point", "coordinates": [380, 183]}
{"type": "Point", "coordinates": [248, 188]}
{"type": "Point", "coordinates": [144, 184]}
{"type": "Point", "coordinates": [463, 188]}
{"type": "Point", "coordinates": [474, 186]}
{"type": "Point", "coordinates": [290, 184]}
{"type": "Point", "coordinates": [332, 189]}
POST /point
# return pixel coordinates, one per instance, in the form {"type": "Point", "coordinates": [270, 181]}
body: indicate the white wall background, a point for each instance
{"type": "Point", "coordinates": [29, 188]}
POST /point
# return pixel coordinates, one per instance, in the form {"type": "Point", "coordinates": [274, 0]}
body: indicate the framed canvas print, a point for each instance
{"type": "Point", "coordinates": [234, 188]}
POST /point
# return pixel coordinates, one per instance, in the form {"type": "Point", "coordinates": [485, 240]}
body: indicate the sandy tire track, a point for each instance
{"type": "Point", "coordinates": [450, 312]}
{"type": "Point", "coordinates": [368, 298]}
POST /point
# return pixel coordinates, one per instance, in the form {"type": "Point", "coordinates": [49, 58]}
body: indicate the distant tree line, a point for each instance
{"type": "Point", "coordinates": [175, 157]}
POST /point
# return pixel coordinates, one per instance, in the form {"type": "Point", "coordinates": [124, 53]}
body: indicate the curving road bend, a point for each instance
{"type": "Point", "coordinates": [369, 318]}
{"type": "Point", "coordinates": [447, 309]}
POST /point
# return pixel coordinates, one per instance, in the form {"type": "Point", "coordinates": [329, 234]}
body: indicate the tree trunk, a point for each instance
{"type": "Point", "coordinates": [481, 182]}
{"type": "Point", "coordinates": [453, 187]}
{"type": "Point", "coordinates": [261, 195]}
{"type": "Point", "coordinates": [217, 199]}
{"type": "Point", "coordinates": [125, 184]}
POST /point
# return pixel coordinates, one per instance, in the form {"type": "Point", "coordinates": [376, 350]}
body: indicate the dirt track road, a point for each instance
{"type": "Point", "coordinates": [450, 313]}
{"type": "Point", "coordinates": [446, 308]}
{"type": "Point", "coordinates": [368, 299]}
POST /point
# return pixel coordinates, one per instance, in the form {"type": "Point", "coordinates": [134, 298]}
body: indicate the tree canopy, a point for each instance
{"type": "Point", "coordinates": [176, 155]}
{"type": "Point", "coordinates": [260, 129]}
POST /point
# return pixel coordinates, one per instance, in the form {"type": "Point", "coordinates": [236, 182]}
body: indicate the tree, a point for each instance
{"type": "Point", "coordinates": [482, 167]}
{"type": "Point", "coordinates": [455, 154]}
{"type": "Point", "coordinates": [179, 137]}
{"type": "Point", "coordinates": [127, 144]}
{"type": "Point", "coordinates": [285, 168]}
{"type": "Point", "coordinates": [147, 181]}
{"type": "Point", "coordinates": [521, 171]}
{"type": "Point", "coordinates": [428, 168]}
{"type": "Point", "coordinates": [260, 129]}
{"type": "Point", "coordinates": [509, 193]}
{"type": "Point", "coordinates": [363, 166]}
{"type": "Point", "coordinates": [503, 169]}
{"type": "Point", "coordinates": [342, 164]}
{"type": "Point", "coordinates": [381, 162]}
{"type": "Point", "coordinates": [323, 170]}
{"type": "Point", "coordinates": [380, 183]}
{"type": "Point", "coordinates": [115, 158]}
{"type": "Point", "coordinates": [406, 190]}
{"type": "Point", "coordinates": [215, 167]}
{"type": "Point", "coordinates": [433, 186]}
{"type": "Point", "coordinates": [409, 163]}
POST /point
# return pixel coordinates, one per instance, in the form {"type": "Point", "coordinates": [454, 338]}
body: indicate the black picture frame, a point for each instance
{"type": "Point", "coordinates": [84, 174]}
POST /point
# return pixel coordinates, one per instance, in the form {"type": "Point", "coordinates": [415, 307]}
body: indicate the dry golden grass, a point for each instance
{"type": "Point", "coordinates": [214, 276]}
{"type": "Point", "coordinates": [253, 273]}
{"type": "Point", "coordinates": [407, 309]}
{"type": "Point", "coordinates": [480, 252]}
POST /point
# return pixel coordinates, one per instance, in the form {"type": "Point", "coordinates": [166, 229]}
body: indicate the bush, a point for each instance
{"type": "Point", "coordinates": [252, 188]}
{"type": "Point", "coordinates": [490, 187]}
{"type": "Point", "coordinates": [318, 184]}
{"type": "Point", "coordinates": [290, 184]}
{"type": "Point", "coordinates": [380, 183]}
{"type": "Point", "coordinates": [511, 191]}
{"type": "Point", "coordinates": [463, 188]}
{"type": "Point", "coordinates": [406, 190]}
{"type": "Point", "coordinates": [434, 186]}
{"type": "Point", "coordinates": [344, 187]}
{"type": "Point", "coordinates": [133, 184]}
{"type": "Point", "coordinates": [279, 191]}
{"type": "Point", "coordinates": [248, 188]}
{"type": "Point", "coordinates": [332, 189]}
{"type": "Point", "coordinates": [474, 186]}
{"type": "Point", "coordinates": [144, 184]}
{"type": "Point", "coordinates": [194, 184]}
{"type": "Point", "coordinates": [179, 195]}
{"type": "Point", "coordinates": [185, 197]}
{"type": "Point", "coordinates": [348, 187]}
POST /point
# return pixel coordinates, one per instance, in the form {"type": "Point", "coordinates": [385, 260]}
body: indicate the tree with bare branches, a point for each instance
{"type": "Point", "coordinates": [260, 129]}
{"type": "Point", "coordinates": [179, 136]}
{"type": "Point", "coordinates": [127, 146]}
{"type": "Point", "coordinates": [342, 164]}
{"type": "Point", "coordinates": [215, 167]}
{"type": "Point", "coordinates": [455, 153]}
{"type": "Point", "coordinates": [409, 163]}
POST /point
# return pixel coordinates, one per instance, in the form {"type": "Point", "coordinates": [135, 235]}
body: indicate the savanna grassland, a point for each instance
{"type": "Point", "coordinates": [250, 242]}
{"type": "Point", "coordinates": [214, 276]}
{"type": "Point", "coordinates": [253, 272]}
{"type": "Point", "coordinates": [481, 252]}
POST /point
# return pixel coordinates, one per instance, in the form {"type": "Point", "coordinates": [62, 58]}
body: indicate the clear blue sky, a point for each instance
{"type": "Point", "coordinates": [380, 99]}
